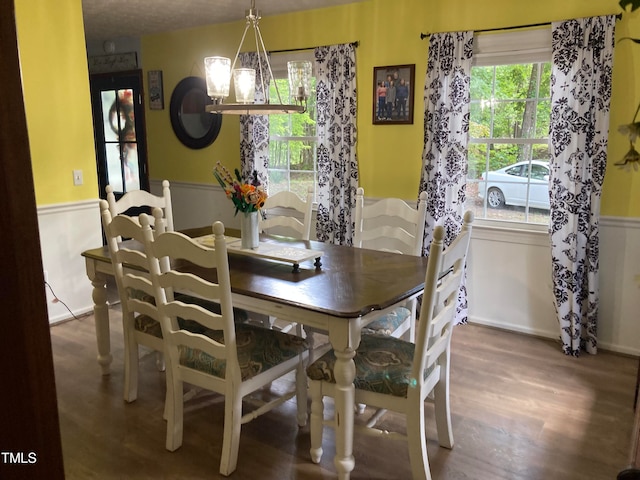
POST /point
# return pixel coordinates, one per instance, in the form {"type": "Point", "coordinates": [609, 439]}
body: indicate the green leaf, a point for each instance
{"type": "Point", "coordinates": [635, 4]}
{"type": "Point", "coordinates": [220, 181]}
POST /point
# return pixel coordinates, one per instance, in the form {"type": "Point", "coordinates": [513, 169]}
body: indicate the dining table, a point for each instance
{"type": "Point", "coordinates": [339, 290]}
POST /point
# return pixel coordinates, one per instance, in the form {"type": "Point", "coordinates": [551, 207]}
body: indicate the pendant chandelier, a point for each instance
{"type": "Point", "coordinates": [220, 70]}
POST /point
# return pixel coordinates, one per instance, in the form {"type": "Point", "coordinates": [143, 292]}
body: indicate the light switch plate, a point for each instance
{"type": "Point", "coordinates": [77, 177]}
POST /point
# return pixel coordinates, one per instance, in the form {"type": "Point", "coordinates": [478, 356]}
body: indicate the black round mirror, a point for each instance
{"type": "Point", "coordinates": [193, 126]}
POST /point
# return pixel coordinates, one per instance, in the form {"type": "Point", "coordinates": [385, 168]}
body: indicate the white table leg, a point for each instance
{"type": "Point", "coordinates": [345, 338]}
{"type": "Point", "coordinates": [345, 372]}
{"type": "Point", "coordinates": [101, 315]}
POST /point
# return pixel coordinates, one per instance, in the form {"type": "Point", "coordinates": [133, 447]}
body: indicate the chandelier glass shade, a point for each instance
{"type": "Point", "coordinates": [219, 71]}
{"type": "Point", "coordinates": [218, 76]}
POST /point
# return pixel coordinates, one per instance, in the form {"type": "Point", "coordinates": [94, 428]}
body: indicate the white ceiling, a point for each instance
{"type": "Point", "coordinates": [110, 19]}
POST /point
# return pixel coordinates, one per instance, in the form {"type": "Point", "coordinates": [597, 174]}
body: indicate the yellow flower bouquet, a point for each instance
{"type": "Point", "coordinates": [246, 196]}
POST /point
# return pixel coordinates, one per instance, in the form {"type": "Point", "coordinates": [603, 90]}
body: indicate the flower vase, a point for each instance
{"type": "Point", "coordinates": [249, 230]}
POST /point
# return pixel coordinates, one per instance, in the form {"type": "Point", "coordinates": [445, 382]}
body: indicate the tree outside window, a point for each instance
{"type": "Point", "coordinates": [292, 144]}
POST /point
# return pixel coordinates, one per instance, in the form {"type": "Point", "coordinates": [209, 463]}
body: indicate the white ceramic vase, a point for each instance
{"type": "Point", "coordinates": [249, 230]}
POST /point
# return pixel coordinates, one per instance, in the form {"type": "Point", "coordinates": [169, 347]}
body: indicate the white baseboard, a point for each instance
{"type": "Point", "coordinates": [538, 332]}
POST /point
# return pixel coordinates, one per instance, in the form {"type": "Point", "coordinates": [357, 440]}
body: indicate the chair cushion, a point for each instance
{"type": "Point", "coordinates": [387, 324]}
{"type": "Point", "coordinates": [383, 365]}
{"type": "Point", "coordinates": [259, 349]}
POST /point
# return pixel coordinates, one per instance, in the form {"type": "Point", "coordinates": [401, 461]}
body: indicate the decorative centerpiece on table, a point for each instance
{"type": "Point", "coordinates": [247, 197]}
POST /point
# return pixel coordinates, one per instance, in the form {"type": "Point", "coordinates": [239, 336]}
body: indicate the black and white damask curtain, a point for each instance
{"type": "Point", "coordinates": [336, 128]}
{"type": "Point", "coordinates": [580, 97]}
{"type": "Point", "coordinates": [254, 129]}
{"type": "Point", "coordinates": [447, 101]}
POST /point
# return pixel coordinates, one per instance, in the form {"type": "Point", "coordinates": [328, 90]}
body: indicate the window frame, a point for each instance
{"type": "Point", "coordinates": [509, 48]}
{"type": "Point", "coordinates": [278, 63]}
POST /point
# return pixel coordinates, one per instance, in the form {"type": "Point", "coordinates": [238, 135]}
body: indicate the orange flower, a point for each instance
{"type": "Point", "coordinates": [246, 197]}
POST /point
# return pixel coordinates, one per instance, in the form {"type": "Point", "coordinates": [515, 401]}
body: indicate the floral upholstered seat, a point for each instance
{"type": "Point", "coordinates": [389, 323]}
{"type": "Point", "coordinates": [383, 365]}
{"type": "Point", "coordinates": [259, 349]}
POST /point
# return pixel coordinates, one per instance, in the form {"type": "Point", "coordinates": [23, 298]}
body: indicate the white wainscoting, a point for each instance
{"type": "Point", "coordinates": [509, 271]}
{"type": "Point", "coordinates": [619, 319]}
{"type": "Point", "coordinates": [66, 230]}
{"type": "Point", "coordinates": [195, 205]}
{"type": "Point", "coordinates": [510, 283]}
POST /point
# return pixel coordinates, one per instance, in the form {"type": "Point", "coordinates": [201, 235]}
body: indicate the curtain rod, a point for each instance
{"type": "Point", "coordinates": [355, 44]}
{"type": "Point", "coordinates": [546, 24]}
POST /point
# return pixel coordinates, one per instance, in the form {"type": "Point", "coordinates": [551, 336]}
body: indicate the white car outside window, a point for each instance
{"type": "Point", "coordinates": [512, 185]}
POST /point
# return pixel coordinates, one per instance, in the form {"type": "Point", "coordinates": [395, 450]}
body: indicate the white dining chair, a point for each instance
{"type": "Point", "coordinates": [391, 225]}
{"type": "Point", "coordinates": [393, 374]}
{"type": "Point", "coordinates": [142, 198]}
{"type": "Point", "coordinates": [286, 214]}
{"type": "Point", "coordinates": [140, 320]}
{"type": "Point", "coordinates": [140, 323]}
{"type": "Point", "coordinates": [231, 359]}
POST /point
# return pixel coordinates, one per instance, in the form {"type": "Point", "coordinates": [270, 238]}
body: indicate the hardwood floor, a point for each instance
{"type": "Point", "coordinates": [521, 410]}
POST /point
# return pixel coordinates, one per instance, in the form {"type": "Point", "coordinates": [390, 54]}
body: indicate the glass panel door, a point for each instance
{"type": "Point", "coordinates": [118, 117]}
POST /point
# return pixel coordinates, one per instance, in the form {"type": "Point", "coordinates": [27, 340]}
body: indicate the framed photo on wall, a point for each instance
{"type": "Point", "coordinates": [156, 93]}
{"type": "Point", "coordinates": [393, 94]}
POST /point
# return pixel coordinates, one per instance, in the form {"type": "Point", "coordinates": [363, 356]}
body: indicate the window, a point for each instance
{"type": "Point", "coordinates": [292, 138]}
{"type": "Point", "coordinates": [508, 174]}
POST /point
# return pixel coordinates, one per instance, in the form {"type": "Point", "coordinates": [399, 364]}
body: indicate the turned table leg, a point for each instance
{"type": "Point", "coordinates": [101, 316]}
{"type": "Point", "coordinates": [345, 372]}
{"type": "Point", "coordinates": [344, 340]}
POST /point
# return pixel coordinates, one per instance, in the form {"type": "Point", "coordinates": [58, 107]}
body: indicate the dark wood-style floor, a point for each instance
{"type": "Point", "coordinates": [521, 411]}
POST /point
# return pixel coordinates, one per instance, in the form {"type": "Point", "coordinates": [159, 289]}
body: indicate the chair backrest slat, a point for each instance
{"type": "Point", "coordinates": [179, 246]}
{"type": "Point", "coordinates": [191, 311]}
{"type": "Point", "coordinates": [142, 198]}
{"type": "Point", "coordinates": [388, 239]}
{"type": "Point", "coordinates": [135, 282]}
{"type": "Point", "coordinates": [275, 216]}
{"type": "Point", "coordinates": [132, 257]}
{"type": "Point", "coordinates": [390, 224]}
{"type": "Point", "coordinates": [188, 282]}
{"type": "Point", "coordinates": [143, 307]}
{"type": "Point", "coordinates": [200, 342]}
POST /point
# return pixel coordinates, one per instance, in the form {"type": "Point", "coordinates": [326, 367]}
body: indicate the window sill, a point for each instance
{"type": "Point", "coordinates": [511, 232]}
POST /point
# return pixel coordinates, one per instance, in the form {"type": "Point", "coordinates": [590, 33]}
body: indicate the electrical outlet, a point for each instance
{"type": "Point", "coordinates": [77, 177]}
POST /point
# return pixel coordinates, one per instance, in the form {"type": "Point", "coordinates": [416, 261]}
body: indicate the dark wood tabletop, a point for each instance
{"type": "Point", "coordinates": [351, 281]}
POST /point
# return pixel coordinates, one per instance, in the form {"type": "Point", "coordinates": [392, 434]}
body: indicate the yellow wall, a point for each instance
{"type": "Point", "coordinates": [58, 109]}
{"type": "Point", "coordinates": [389, 155]}
{"type": "Point", "coordinates": [56, 95]}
